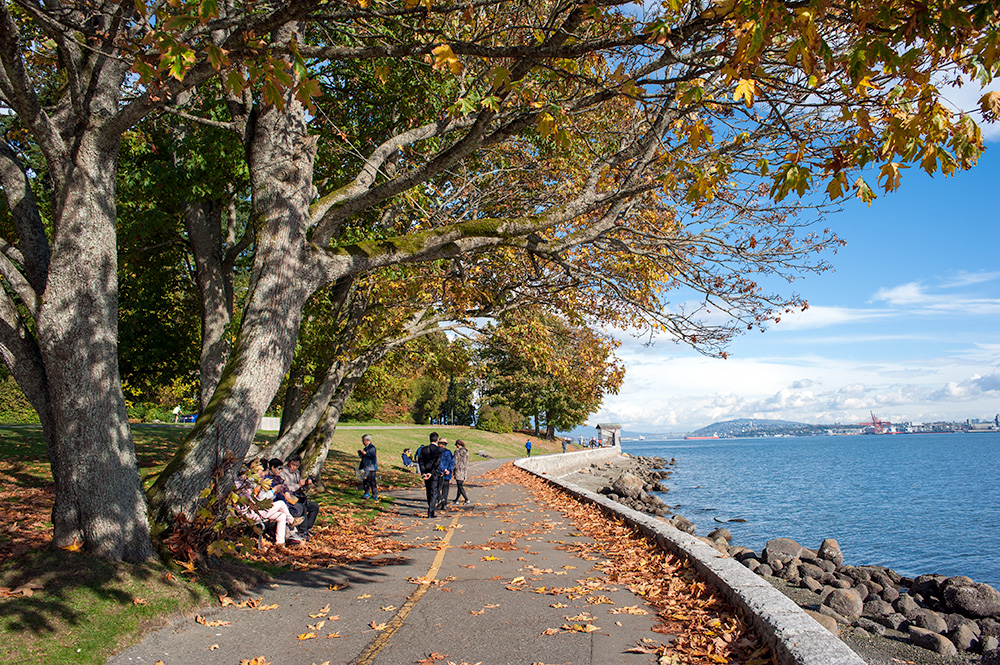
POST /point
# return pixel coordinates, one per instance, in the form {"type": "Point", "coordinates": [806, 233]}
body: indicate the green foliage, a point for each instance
{"type": "Point", "coordinates": [500, 419]}
{"type": "Point", "coordinates": [15, 409]}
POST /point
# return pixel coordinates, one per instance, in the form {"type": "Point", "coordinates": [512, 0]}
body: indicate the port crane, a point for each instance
{"type": "Point", "coordinates": [878, 426]}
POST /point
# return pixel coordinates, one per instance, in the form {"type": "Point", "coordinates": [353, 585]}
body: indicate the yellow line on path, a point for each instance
{"type": "Point", "coordinates": [375, 646]}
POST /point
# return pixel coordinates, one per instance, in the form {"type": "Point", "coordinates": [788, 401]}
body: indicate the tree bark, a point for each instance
{"type": "Point", "coordinates": [291, 408]}
{"type": "Point", "coordinates": [203, 222]}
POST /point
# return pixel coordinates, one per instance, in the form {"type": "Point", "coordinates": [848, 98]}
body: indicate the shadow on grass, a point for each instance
{"type": "Point", "coordinates": [70, 586]}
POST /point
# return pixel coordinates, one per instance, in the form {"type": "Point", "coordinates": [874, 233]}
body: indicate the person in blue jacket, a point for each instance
{"type": "Point", "coordinates": [447, 467]}
{"type": "Point", "coordinates": [527, 447]}
{"type": "Point", "coordinates": [369, 463]}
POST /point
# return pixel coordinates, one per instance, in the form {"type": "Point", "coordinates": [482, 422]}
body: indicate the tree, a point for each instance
{"type": "Point", "coordinates": [627, 156]}
{"type": "Point", "coordinates": [544, 367]}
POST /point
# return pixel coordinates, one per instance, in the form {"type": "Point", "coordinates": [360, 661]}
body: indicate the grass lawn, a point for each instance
{"type": "Point", "coordinates": [65, 607]}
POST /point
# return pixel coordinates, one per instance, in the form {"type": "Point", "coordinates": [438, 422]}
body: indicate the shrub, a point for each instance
{"type": "Point", "coordinates": [499, 419]}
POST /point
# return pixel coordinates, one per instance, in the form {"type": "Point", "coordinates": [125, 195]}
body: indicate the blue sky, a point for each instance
{"type": "Point", "coordinates": [906, 325]}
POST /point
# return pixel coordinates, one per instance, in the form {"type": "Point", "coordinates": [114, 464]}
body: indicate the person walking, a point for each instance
{"type": "Point", "coordinates": [447, 466]}
{"type": "Point", "coordinates": [429, 461]}
{"type": "Point", "coordinates": [369, 462]}
{"type": "Point", "coordinates": [527, 447]}
{"type": "Point", "coordinates": [461, 470]}
{"type": "Point", "coordinates": [564, 445]}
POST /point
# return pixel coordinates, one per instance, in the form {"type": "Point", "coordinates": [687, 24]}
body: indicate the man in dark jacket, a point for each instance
{"type": "Point", "coordinates": [369, 463]}
{"type": "Point", "coordinates": [429, 459]}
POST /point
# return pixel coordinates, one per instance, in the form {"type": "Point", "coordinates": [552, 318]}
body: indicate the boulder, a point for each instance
{"type": "Point", "coordinates": [829, 549]}
{"type": "Point", "coordinates": [927, 586]}
{"type": "Point", "coordinates": [877, 608]}
{"type": "Point", "coordinates": [840, 584]}
{"type": "Point", "coordinates": [890, 594]}
{"type": "Point", "coordinates": [906, 606]}
{"type": "Point", "coordinates": [961, 594]}
{"type": "Point", "coordinates": [988, 644]}
{"type": "Point", "coordinates": [845, 602]}
{"type": "Point", "coordinates": [833, 614]}
{"type": "Point", "coordinates": [751, 563]}
{"type": "Point", "coordinates": [627, 485]}
{"type": "Point", "coordinates": [896, 621]}
{"type": "Point", "coordinates": [807, 569]}
{"type": "Point", "coordinates": [827, 622]}
{"type": "Point", "coordinates": [989, 626]}
{"type": "Point", "coordinates": [764, 569]}
{"type": "Point", "coordinates": [781, 550]}
{"type": "Point", "coordinates": [741, 554]}
{"type": "Point", "coordinates": [929, 620]}
{"type": "Point", "coordinates": [721, 533]}
{"type": "Point", "coordinates": [870, 626]}
{"type": "Point", "coordinates": [683, 524]}
{"type": "Point", "coordinates": [932, 641]}
{"type": "Point", "coordinates": [963, 638]}
{"type": "Point", "coordinates": [812, 584]}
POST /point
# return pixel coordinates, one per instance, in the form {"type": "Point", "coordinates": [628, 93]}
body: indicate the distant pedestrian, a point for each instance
{"type": "Point", "coordinates": [177, 413]}
{"type": "Point", "coordinates": [527, 447]}
{"type": "Point", "coordinates": [461, 470]}
{"type": "Point", "coordinates": [369, 464]}
{"type": "Point", "coordinates": [564, 445]}
{"type": "Point", "coordinates": [447, 466]}
{"type": "Point", "coordinates": [429, 461]}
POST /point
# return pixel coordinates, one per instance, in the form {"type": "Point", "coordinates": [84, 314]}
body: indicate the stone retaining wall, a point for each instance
{"type": "Point", "coordinates": [794, 636]}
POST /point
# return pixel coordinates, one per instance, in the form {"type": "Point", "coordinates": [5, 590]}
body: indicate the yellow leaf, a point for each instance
{"type": "Point", "coordinates": [388, 608]}
{"type": "Point", "coordinates": [517, 580]}
{"type": "Point", "coordinates": [211, 624]}
{"type": "Point", "coordinates": [746, 90]}
{"type": "Point", "coordinates": [445, 57]}
{"type": "Point", "coordinates": [74, 546]}
{"type": "Point", "coordinates": [316, 626]}
{"type": "Point", "coordinates": [378, 626]}
{"type": "Point", "coordinates": [364, 595]}
{"type": "Point", "coordinates": [307, 636]}
{"type": "Point", "coordinates": [264, 608]}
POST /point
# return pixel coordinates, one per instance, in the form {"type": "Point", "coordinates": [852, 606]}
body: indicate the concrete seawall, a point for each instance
{"type": "Point", "coordinates": [792, 634]}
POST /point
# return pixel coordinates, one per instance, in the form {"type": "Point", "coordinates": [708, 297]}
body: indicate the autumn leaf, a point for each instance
{"type": "Point", "coordinates": [307, 636]}
{"type": "Point", "coordinates": [517, 580]}
{"type": "Point", "coordinates": [558, 605]}
{"type": "Point", "coordinates": [632, 609]}
{"type": "Point", "coordinates": [259, 660]}
{"type": "Point", "coordinates": [213, 647]}
{"type": "Point", "coordinates": [550, 631]}
{"type": "Point", "coordinates": [226, 600]}
{"type": "Point", "coordinates": [211, 624]}
{"type": "Point", "coordinates": [581, 617]}
{"type": "Point", "coordinates": [337, 587]}
{"type": "Point", "coordinates": [140, 601]}
{"type": "Point", "coordinates": [491, 558]}
{"type": "Point", "coordinates": [320, 612]}
{"type": "Point", "coordinates": [431, 658]}
{"type": "Point", "coordinates": [315, 626]}
{"type": "Point", "coordinates": [363, 596]}
{"type": "Point", "coordinates": [74, 546]}
{"type": "Point", "coordinates": [388, 608]}
{"type": "Point", "coordinates": [444, 57]}
{"type": "Point", "coordinates": [378, 626]}
{"type": "Point", "coordinates": [332, 635]}
{"type": "Point", "coordinates": [580, 628]}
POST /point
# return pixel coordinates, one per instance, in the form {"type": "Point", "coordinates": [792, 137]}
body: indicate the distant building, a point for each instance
{"type": "Point", "coordinates": [609, 434]}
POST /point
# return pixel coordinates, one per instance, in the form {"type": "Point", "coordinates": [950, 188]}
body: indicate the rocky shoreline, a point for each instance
{"type": "Point", "coordinates": [884, 617]}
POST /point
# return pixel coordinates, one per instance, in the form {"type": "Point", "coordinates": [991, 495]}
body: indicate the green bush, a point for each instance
{"type": "Point", "coordinates": [499, 419]}
{"type": "Point", "coordinates": [15, 409]}
{"type": "Point", "coordinates": [147, 412]}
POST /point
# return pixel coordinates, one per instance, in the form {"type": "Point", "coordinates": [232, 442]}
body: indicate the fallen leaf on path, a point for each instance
{"type": "Point", "coordinates": [226, 600]}
{"type": "Point", "coordinates": [213, 647]}
{"type": "Point", "coordinates": [378, 626]}
{"type": "Point", "coordinates": [468, 565]}
{"type": "Point", "coordinates": [492, 558]}
{"type": "Point", "coordinates": [597, 600]}
{"type": "Point", "coordinates": [580, 628]}
{"type": "Point", "coordinates": [320, 612]}
{"type": "Point", "coordinates": [558, 605]}
{"type": "Point", "coordinates": [307, 636]}
{"type": "Point", "coordinates": [440, 528]}
{"type": "Point", "coordinates": [581, 617]}
{"type": "Point", "coordinates": [259, 660]}
{"type": "Point", "coordinates": [631, 609]}
{"type": "Point", "coordinates": [211, 624]}
{"type": "Point", "coordinates": [364, 595]}
{"type": "Point", "coordinates": [388, 608]}
{"type": "Point", "coordinates": [74, 546]}
{"type": "Point", "coordinates": [431, 658]}
{"type": "Point", "coordinates": [315, 626]}
{"type": "Point", "coordinates": [517, 580]}
{"type": "Point", "coordinates": [333, 635]}
{"type": "Point", "coordinates": [550, 631]}
{"type": "Point", "coordinates": [333, 617]}
{"type": "Point", "coordinates": [477, 612]}
{"type": "Point", "coordinates": [265, 608]}
{"type": "Point", "coordinates": [337, 587]}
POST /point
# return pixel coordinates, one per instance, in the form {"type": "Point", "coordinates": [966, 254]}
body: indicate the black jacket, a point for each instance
{"type": "Point", "coordinates": [429, 458]}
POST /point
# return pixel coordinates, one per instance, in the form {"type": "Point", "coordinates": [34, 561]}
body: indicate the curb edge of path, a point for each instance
{"type": "Point", "coordinates": [794, 636]}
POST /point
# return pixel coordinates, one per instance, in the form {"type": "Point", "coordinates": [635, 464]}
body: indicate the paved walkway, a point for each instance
{"type": "Point", "coordinates": [374, 613]}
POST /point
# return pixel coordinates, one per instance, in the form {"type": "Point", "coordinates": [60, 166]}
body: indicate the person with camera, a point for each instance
{"type": "Point", "coordinates": [305, 508]}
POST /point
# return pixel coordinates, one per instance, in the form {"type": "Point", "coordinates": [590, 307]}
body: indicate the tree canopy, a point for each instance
{"type": "Point", "coordinates": [627, 165]}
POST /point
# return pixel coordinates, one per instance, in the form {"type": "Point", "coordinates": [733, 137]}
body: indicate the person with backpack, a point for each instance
{"type": "Point", "coordinates": [429, 459]}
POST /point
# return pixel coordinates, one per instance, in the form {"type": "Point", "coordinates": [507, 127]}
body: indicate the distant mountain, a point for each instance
{"type": "Point", "coordinates": [745, 427]}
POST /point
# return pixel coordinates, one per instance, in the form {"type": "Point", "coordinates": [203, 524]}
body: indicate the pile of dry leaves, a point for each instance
{"type": "Point", "coordinates": [697, 624]}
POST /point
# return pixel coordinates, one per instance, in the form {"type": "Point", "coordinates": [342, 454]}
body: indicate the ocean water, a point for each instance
{"type": "Point", "coordinates": [917, 503]}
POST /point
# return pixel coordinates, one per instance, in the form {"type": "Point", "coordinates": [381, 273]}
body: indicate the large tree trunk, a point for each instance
{"type": "Point", "coordinates": [203, 223]}
{"type": "Point", "coordinates": [99, 498]}
{"type": "Point", "coordinates": [285, 273]}
{"type": "Point", "coordinates": [291, 408]}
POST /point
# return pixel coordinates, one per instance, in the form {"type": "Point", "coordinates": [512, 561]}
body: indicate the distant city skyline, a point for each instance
{"type": "Point", "coordinates": [907, 325]}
